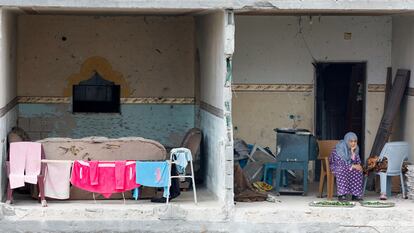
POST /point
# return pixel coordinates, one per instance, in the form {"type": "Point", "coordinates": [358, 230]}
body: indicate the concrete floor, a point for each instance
{"type": "Point", "coordinates": [291, 213]}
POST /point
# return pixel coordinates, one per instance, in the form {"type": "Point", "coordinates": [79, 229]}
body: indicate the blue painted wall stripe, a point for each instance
{"type": "Point", "coordinates": [164, 123]}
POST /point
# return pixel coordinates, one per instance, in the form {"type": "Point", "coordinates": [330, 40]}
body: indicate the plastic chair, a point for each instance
{"type": "Point", "coordinates": [396, 153]}
{"type": "Point", "coordinates": [173, 160]}
{"type": "Point", "coordinates": [325, 150]}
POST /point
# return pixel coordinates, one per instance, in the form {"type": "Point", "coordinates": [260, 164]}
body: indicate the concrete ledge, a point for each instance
{"type": "Point", "coordinates": [290, 214]}
{"type": "Point", "coordinates": [138, 226]}
{"type": "Point", "coordinates": [294, 210]}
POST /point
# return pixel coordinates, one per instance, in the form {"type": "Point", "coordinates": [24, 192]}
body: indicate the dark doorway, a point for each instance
{"type": "Point", "coordinates": [340, 101]}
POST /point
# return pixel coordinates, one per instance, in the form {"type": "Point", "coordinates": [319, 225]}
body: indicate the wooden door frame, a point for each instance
{"type": "Point", "coordinates": [364, 98]}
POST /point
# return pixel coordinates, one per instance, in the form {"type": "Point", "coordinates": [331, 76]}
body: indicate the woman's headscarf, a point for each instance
{"type": "Point", "coordinates": [343, 149]}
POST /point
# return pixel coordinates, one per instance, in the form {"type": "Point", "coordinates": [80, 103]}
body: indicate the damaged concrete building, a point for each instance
{"type": "Point", "coordinates": [231, 68]}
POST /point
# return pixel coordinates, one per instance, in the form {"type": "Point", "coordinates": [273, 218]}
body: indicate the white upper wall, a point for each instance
{"type": "Point", "coordinates": [7, 57]}
{"type": "Point", "coordinates": [210, 43]}
{"type": "Point", "coordinates": [271, 49]}
{"type": "Point", "coordinates": [402, 44]}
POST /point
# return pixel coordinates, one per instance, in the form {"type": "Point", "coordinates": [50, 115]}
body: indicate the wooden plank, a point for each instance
{"type": "Point", "coordinates": [393, 104]}
{"type": "Point", "coordinates": [388, 86]}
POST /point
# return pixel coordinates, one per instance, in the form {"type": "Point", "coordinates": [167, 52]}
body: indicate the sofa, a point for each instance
{"type": "Point", "coordinates": [102, 148]}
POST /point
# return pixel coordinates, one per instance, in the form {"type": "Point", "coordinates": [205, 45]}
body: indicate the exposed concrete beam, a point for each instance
{"type": "Point", "coordinates": [325, 4]}
{"type": "Point", "coordinates": [277, 5]}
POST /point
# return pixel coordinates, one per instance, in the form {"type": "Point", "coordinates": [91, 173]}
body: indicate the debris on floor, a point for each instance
{"type": "Point", "coordinates": [262, 186]}
{"type": "Point", "coordinates": [243, 190]}
{"type": "Point", "coordinates": [272, 198]}
{"type": "Point", "coordinates": [410, 181]}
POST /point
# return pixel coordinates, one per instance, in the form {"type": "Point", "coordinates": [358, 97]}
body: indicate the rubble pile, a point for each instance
{"type": "Point", "coordinates": [410, 181]}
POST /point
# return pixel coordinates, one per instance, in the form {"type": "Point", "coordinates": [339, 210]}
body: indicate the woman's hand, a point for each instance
{"type": "Point", "coordinates": [353, 148]}
{"type": "Point", "coordinates": [357, 167]}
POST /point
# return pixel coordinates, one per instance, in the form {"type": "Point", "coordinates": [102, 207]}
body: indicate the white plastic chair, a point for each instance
{"type": "Point", "coordinates": [396, 153]}
{"type": "Point", "coordinates": [174, 161]}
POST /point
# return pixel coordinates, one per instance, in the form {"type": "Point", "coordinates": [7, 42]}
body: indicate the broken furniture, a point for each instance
{"type": "Point", "coordinates": [192, 141]}
{"type": "Point", "coordinates": [103, 149]}
{"type": "Point", "coordinates": [396, 153]}
{"type": "Point", "coordinates": [325, 150]}
{"type": "Point", "coordinates": [241, 149]}
{"type": "Point", "coordinates": [178, 156]}
{"type": "Point", "coordinates": [255, 166]}
{"type": "Point", "coordinates": [295, 148]}
{"type": "Point", "coordinates": [269, 167]}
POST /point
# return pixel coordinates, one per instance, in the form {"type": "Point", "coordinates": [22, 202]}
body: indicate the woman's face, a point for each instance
{"type": "Point", "coordinates": [352, 143]}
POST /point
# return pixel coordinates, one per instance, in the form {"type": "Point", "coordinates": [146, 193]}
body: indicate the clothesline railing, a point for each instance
{"type": "Point", "coordinates": [110, 164]}
{"type": "Point", "coordinates": [86, 163]}
{"type": "Point", "coordinates": [105, 161]}
{"type": "Point", "coordinates": [56, 161]}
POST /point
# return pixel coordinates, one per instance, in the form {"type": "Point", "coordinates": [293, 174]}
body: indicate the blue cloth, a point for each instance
{"type": "Point", "coordinates": [182, 156]}
{"type": "Point", "coordinates": [135, 193]}
{"type": "Point", "coordinates": [343, 150]}
{"type": "Point", "coordinates": [153, 174]}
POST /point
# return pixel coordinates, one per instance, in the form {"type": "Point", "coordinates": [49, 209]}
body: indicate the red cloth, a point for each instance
{"type": "Point", "coordinates": [111, 177]}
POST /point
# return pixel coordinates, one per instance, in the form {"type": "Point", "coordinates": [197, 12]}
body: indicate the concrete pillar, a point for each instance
{"type": "Point", "coordinates": [8, 100]}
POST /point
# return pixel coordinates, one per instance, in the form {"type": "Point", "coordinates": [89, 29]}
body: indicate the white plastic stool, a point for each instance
{"type": "Point", "coordinates": [173, 160]}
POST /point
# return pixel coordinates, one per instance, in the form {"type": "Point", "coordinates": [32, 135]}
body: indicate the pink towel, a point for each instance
{"type": "Point", "coordinates": [24, 163]}
{"type": "Point", "coordinates": [57, 180]}
{"type": "Point", "coordinates": [94, 175]}
{"type": "Point", "coordinates": [119, 174]}
{"type": "Point", "coordinates": [107, 177]}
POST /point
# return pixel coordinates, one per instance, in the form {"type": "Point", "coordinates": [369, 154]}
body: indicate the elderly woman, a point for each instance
{"type": "Point", "coordinates": [345, 163]}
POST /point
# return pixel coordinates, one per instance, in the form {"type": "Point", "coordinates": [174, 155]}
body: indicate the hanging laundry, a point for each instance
{"type": "Point", "coordinates": [24, 163]}
{"type": "Point", "coordinates": [57, 179]}
{"type": "Point", "coordinates": [93, 175]}
{"type": "Point", "coordinates": [182, 157]}
{"type": "Point", "coordinates": [119, 174]}
{"type": "Point", "coordinates": [153, 174]}
{"type": "Point", "coordinates": [105, 178]}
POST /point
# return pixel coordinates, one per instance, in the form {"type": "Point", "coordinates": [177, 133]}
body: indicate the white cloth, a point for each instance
{"type": "Point", "coordinates": [57, 180]}
{"type": "Point", "coordinates": [24, 163]}
{"type": "Point", "coordinates": [182, 157]}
